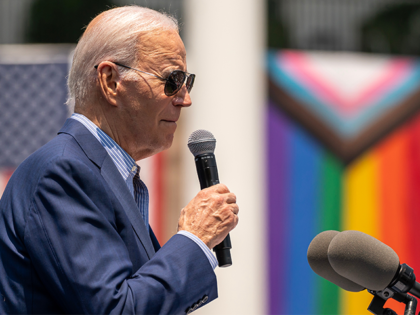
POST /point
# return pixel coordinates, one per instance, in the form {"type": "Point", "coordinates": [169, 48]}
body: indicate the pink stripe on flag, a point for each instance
{"type": "Point", "coordinates": [297, 66]}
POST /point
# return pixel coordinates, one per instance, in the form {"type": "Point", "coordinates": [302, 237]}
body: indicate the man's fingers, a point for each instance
{"type": "Point", "coordinates": [236, 220]}
{"type": "Point", "coordinates": [230, 198]}
{"type": "Point", "coordinates": [221, 188]}
{"type": "Point", "coordinates": [235, 209]}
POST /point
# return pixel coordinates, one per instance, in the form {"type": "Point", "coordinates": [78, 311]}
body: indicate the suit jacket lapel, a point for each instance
{"type": "Point", "coordinates": [111, 174]}
{"type": "Point", "coordinates": [154, 239]}
{"type": "Point", "coordinates": [98, 155]}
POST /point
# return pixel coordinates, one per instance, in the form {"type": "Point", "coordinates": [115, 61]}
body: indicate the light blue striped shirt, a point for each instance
{"type": "Point", "coordinates": [129, 170]}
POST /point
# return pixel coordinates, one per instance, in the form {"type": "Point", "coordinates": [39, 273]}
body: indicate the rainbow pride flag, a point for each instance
{"type": "Point", "coordinates": [312, 189]}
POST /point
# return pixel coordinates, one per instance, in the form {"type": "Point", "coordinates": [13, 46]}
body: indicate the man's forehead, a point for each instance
{"type": "Point", "coordinates": [162, 40]}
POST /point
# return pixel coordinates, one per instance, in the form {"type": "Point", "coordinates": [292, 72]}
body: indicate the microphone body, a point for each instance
{"type": "Point", "coordinates": [208, 176]}
{"type": "Point", "coordinates": [202, 144]}
{"type": "Point", "coordinates": [207, 170]}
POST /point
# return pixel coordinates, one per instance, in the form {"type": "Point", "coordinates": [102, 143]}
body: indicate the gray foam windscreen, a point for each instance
{"type": "Point", "coordinates": [201, 141]}
{"type": "Point", "coordinates": [363, 259]}
{"type": "Point", "coordinates": [318, 260]}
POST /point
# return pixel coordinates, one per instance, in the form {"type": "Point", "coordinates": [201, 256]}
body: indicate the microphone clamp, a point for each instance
{"type": "Point", "coordinates": [380, 297]}
{"type": "Point", "coordinates": [405, 281]}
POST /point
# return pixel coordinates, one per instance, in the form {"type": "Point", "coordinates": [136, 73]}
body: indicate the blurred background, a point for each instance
{"type": "Point", "coordinates": [315, 108]}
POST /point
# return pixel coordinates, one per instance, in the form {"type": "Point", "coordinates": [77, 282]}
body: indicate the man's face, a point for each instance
{"type": "Point", "coordinates": [150, 116]}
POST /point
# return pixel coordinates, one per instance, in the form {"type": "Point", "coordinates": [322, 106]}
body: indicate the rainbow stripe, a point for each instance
{"type": "Point", "coordinates": [311, 191]}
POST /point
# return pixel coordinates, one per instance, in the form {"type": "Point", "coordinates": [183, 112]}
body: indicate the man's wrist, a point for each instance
{"type": "Point", "coordinates": [212, 259]}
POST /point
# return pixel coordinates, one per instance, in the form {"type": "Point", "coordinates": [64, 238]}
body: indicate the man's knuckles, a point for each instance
{"type": "Point", "coordinates": [221, 188]}
{"type": "Point", "coordinates": [227, 214]}
{"type": "Point", "coordinates": [219, 200]}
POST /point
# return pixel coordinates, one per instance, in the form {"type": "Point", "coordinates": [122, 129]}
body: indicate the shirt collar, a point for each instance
{"type": "Point", "coordinates": [124, 162]}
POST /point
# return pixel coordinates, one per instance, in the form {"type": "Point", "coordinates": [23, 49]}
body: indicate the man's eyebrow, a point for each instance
{"type": "Point", "coordinates": [166, 73]}
{"type": "Point", "coordinates": [174, 57]}
{"type": "Point", "coordinates": [169, 70]}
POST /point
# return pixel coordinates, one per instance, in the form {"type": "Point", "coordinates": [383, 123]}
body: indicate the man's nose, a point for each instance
{"type": "Point", "coordinates": [182, 98]}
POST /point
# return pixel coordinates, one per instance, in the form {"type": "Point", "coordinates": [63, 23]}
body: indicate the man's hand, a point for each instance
{"type": "Point", "coordinates": [211, 215]}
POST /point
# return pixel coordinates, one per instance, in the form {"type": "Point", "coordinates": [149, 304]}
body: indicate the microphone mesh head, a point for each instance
{"type": "Point", "coordinates": [201, 141]}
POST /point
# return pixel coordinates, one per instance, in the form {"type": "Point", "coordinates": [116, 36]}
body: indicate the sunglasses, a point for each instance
{"type": "Point", "coordinates": [174, 81]}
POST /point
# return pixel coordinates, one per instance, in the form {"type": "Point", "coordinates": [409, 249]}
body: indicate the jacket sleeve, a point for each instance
{"type": "Point", "coordinates": [76, 250]}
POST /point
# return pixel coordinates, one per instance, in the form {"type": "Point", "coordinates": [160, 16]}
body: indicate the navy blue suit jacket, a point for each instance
{"type": "Point", "coordinates": [72, 240]}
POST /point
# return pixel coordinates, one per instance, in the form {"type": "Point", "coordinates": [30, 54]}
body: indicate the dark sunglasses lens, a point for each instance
{"type": "Point", "coordinates": [170, 88]}
{"type": "Point", "coordinates": [190, 82]}
{"type": "Point", "coordinates": [174, 82]}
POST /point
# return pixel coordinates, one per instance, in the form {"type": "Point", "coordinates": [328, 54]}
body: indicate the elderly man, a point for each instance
{"type": "Point", "coordinates": [74, 232]}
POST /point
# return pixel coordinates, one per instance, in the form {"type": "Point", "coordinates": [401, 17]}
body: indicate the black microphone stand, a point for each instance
{"type": "Point", "coordinates": [380, 297]}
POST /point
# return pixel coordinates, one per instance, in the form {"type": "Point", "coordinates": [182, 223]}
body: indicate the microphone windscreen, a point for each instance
{"type": "Point", "coordinates": [318, 260]}
{"type": "Point", "coordinates": [363, 259]}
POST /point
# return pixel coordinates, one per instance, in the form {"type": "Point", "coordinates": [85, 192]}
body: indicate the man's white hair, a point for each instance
{"type": "Point", "coordinates": [113, 35]}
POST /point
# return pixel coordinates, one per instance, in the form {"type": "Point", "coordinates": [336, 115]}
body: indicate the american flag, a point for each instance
{"type": "Point", "coordinates": [33, 92]}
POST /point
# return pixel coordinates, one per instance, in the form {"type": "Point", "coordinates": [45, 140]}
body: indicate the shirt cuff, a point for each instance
{"type": "Point", "coordinates": [205, 249]}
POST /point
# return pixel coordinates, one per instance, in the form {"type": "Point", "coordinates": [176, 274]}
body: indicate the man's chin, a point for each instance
{"type": "Point", "coordinates": [164, 144]}
{"type": "Point", "coordinates": [168, 143]}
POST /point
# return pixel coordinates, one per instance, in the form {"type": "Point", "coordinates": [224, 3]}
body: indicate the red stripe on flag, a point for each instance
{"type": "Point", "coordinates": [5, 175]}
{"type": "Point", "coordinates": [413, 219]}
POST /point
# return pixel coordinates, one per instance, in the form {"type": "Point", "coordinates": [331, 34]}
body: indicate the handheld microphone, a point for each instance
{"type": "Point", "coordinates": [318, 260]}
{"type": "Point", "coordinates": [363, 259]}
{"type": "Point", "coordinates": [202, 144]}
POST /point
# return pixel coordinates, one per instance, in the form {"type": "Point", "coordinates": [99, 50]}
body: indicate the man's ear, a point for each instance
{"type": "Point", "coordinates": [108, 78]}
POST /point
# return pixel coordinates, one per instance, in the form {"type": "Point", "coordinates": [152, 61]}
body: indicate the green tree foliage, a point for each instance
{"type": "Point", "coordinates": [277, 33]}
{"type": "Point", "coordinates": [62, 21]}
{"type": "Point", "coordinates": [394, 30]}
